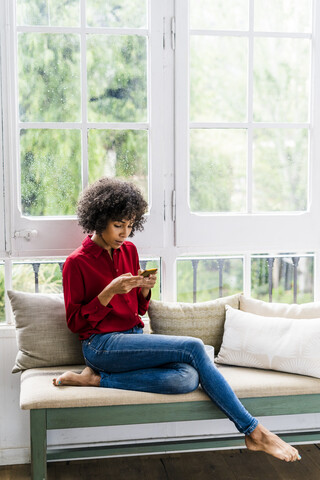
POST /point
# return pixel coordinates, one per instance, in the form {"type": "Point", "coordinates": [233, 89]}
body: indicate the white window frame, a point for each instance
{"type": "Point", "coordinates": [242, 233]}
{"type": "Point", "coordinates": [56, 236]}
{"type": "Point", "coordinates": [170, 231]}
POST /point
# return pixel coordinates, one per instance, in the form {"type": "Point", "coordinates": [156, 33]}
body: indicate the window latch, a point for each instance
{"type": "Point", "coordinates": [27, 234]}
{"type": "Point", "coordinates": [173, 33]}
{"type": "Point", "coordinates": [173, 205]}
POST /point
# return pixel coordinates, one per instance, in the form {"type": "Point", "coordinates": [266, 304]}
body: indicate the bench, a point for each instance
{"type": "Point", "coordinates": [47, 349]}
{"type": "Point", "coordinates": [262, 392]}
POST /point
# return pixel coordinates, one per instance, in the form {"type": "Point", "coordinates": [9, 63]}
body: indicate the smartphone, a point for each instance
{"type": "Point", "coordinates": [149, 271]}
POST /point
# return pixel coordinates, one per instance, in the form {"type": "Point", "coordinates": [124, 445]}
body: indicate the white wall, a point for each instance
{"type": "Point", "coordinates": [14, 423]}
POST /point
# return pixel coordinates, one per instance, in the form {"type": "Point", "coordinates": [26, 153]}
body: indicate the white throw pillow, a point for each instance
{"type": "Point", "coordinates": [284, 344]}
{"type": "Point", "coordinates": [304, 310]}
{"type": "Point", "coordinates": [203, 320]}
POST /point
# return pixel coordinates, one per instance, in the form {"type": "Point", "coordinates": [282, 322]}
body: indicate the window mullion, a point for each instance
{"type": "Point", "coordinates": [84, 115]}
{"type": "Point", "coordinates": [250, 109]}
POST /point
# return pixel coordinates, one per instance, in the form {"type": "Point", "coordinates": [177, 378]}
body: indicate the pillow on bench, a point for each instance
{"type": "Point", "coordinates": [275, 343]}
{"type": "Point", "coordinates": [305, 310]}
{"type": "Point", "coordinates": [204, 320]}
{"type": "Point", "coordinates": [43, 337]}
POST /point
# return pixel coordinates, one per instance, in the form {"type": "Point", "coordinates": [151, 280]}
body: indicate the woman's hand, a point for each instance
{"type": "Point", "coordinates": [123, 284]}
{"type": "Point", "coordinates": [149, 283]}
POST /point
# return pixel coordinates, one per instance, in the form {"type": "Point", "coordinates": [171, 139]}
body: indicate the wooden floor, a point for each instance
{"type": "Point", "coordinates": [217, 465]}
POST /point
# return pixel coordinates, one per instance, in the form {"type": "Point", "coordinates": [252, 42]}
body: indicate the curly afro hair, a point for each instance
{"type": "Point", "coordinates": [110, 199]}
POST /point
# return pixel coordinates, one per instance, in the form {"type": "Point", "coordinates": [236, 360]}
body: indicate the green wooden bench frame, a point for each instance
{"type": "Point", "coordinates": [78, 417]}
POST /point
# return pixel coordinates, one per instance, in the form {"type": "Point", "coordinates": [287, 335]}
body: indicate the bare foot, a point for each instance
{"type": "Point", "coordinates": [87, 378]}
{"type": "Point", "coordinates": [264, 440]}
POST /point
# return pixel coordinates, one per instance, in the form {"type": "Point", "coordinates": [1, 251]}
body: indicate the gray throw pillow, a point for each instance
{"type": "Point", "coordinates": [43, 337]}
{"type": "Point", "coordinates": [204, 320]}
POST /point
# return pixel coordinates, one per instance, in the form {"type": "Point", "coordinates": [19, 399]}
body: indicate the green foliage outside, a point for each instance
{"type": "Point", "coordinates": [207, 278]}
{"type": "Point", "coordinates": [117, 13]}
{"type": "Point", "coordinates": [119, 153]}
{"type": "Point", "coordinates": [50, 171]}
{"type": "Point", "coordinates": [282, 280]}
{"type": "Point", "coordinates": [49, 78]}
{"type": "Point", "coordinates": [219, 93]}
{"type": "Point", "coordinates": [50, 91]}
{"type": "Point", "coordinates": [218, 170]}
{"type": "Point", "coordinates": [117, 78]}
{"type": "Point", "coordinates": [49, 277]}
{"type": "Point", "coordinates": [62, 13]}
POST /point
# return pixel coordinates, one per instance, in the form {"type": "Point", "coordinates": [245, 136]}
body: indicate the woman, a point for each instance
{"type": "Point", "coordinates": [105, 296]}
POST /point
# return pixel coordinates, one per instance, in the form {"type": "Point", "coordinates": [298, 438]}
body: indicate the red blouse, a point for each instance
{"type": "Point", "coordinates": [86, 272]}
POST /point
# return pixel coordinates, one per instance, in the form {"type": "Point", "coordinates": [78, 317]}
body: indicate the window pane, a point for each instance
{"type": "Point", "coordinates": [2, 294]}
{"type": "Point", "coordinates": [117, 13]}
{"type": "Point", "coordinates": [283, 15]}
{"type": "Point", "coordinates": [49, 77]}
{"type": "Point", "coordinates": [218, 170]}
{"type": "Point", "coordinates": [280, 171]}
{"type": "Point", "coordinates": [119, 153]}
{"type": "Point", "coordinates": [201, 279]}
{"type": "Point", "coordinates": [117, 78]}
{"type": "Point", "coordinates": [61, 13]}
{"type": "Point", "coordinates": [281, 80]}
{"type": "Point", "coordinates": [50, 171]}
{"type": "Point", "coordinates": [277, 275]}
{"type": "Point", "coordinates": [218, 79]}
{"type": "Point", "coordinates": [37, 276]}
{"type": "Point", "coordinates": [219, 14]}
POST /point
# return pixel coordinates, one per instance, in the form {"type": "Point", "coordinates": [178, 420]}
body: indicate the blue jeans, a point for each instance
{"type": "Point", "coordinates": [162, 364]}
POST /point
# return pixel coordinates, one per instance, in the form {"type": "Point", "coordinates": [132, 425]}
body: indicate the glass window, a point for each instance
{"type": "Point", "coordinates": [219, 15]}
{"type": "Point", "coordinates": [37, 276]}
{"type": "Point", "coordinates": [281, 80]}
{"type": "Point", "coordinates": [49, 77]}
{"type": "Point", "coordinates": [117, 13]}
{"type": "Point", "coordinates": [280, 170]}
{"type": "Point", "coordinates": [286, 278]}
{"type": "Point", "coordinates": [218, 170]}
{"type": "Point", "coordinates": [50, 171]}
{"type": "Point", "coordinates": [258, 82]}
{"type": "Point", "coordinates": [119, 153]}
{"type": "Point", "coordinates": [283, 15]}
{"type": "Point", "coordinates": [59, 13]}
{"type": "Point", "coordinates": [68, 82]}
{"type": "Point", "coordinates": [117, 78]}
{"type": "Point", "coordinates": [218, 79]}
{"type": "Point", "coordinates": [201, 279]}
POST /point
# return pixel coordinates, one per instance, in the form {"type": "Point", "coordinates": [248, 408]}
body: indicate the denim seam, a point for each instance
{"type": "Point", "coordinates": [143, 350]}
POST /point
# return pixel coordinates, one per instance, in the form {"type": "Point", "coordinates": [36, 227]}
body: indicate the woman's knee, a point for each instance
{"type": "Point", "coordinates": [194, 346]}
{"type": "Point", "coordinates": [187, 380]}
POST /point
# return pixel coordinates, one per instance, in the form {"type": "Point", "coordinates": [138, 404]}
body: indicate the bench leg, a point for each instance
{"type": "Point", "coordinates": [38, 433]}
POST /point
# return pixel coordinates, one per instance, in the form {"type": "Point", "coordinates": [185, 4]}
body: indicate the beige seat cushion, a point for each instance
{"type": "Point", "coordinates": [37, 390]}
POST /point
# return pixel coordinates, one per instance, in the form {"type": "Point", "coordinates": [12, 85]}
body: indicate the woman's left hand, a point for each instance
{"type": "Point", "coordinates": [148, 283]}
